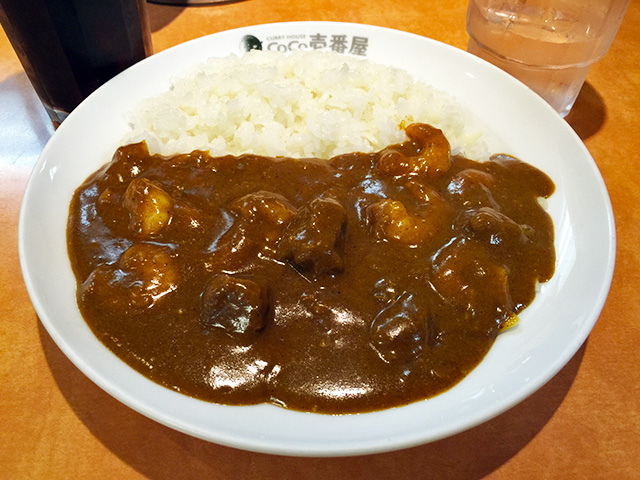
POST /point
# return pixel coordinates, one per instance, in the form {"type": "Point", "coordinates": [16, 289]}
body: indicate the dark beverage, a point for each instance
{"type": "Point", "coordinates": [69, 48]}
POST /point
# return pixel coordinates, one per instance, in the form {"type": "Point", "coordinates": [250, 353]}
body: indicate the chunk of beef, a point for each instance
{"type": "Point", "coordinates": [238, 305]}
{"type": "Point", "coordinates": [255, 227]}
{"type": "Point", "coordinates": [466, 277]}
{"type": "Point", "coordinates": [400, 332]}
{"type": "Point", "coordinates": [471, 188]}
{"type": "Point", "coordinates": [312, 239]}
{"type": "Point", "coordinates": [497, 229]}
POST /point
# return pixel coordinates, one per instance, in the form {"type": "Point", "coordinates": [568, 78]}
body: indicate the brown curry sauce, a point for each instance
{"type": "Point", "coordinates": [356, 284]}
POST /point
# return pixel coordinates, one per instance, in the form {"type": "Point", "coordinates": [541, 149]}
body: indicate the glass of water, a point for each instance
{"type": "Point", "coordinates": [547, 44]}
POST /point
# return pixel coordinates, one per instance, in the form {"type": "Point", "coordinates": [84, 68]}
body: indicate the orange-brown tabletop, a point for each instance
{"type": "Point", "coordinates": [584, 423]}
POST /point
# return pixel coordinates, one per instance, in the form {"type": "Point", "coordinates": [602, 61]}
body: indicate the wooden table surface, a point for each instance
{"type": "Point", "coordinates": [584, 423]}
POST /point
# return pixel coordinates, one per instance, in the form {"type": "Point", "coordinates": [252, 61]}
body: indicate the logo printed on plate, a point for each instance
{"type": "Point", "coordinates": [341, 43]}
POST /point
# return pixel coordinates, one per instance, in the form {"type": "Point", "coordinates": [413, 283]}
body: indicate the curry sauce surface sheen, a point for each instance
{"type": "Point", "coordinates": [360, 283]}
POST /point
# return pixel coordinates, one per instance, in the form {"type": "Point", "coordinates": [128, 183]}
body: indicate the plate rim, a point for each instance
{"type": "Point", "coordinates": [318, 450]}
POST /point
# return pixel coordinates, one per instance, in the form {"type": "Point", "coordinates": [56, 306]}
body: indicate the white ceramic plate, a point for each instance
{"type": "Point", "coordinates": [514, 120]}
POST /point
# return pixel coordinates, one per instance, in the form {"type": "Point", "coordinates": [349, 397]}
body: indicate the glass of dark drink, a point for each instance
{"type": "Point", "coordinates": [68, 48]}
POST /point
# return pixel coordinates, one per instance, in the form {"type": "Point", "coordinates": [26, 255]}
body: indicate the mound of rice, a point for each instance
{"type": "Point", "coordinates": [305, 104]}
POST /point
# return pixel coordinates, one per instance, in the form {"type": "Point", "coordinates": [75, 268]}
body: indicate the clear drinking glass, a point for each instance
{"type": "Point", "coordinates": [547, 44]}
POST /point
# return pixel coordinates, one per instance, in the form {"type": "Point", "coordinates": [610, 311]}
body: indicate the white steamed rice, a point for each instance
{"type": "Point", "coordinates": [306, 104]}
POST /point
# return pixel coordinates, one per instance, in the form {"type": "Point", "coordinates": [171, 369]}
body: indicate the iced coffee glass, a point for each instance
{"type": "Point", "coordinates": [68, 48]}
{"type": "Point", "coordinates": [547, 44]}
